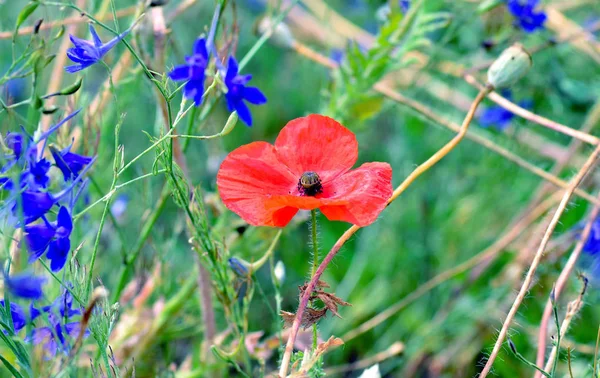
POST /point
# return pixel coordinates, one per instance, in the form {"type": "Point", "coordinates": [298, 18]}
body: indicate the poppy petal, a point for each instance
{"type": "Point", "coordinates": [319, 144]}
{"type": "Point", "coordinates": [366, 190]}
{"type": "Point", "coordinates": [249, 176]}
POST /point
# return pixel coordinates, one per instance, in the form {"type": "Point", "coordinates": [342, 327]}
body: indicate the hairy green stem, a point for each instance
{"type": "Point", "coordinates": [315, 245]}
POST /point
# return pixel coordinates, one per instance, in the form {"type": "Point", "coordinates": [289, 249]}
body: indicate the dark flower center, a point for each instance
{"type": "Point", "coordinates": [310, 184]}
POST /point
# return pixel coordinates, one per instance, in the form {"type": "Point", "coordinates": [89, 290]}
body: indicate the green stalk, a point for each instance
{"type": "Point", "coordinates": [315, 244]}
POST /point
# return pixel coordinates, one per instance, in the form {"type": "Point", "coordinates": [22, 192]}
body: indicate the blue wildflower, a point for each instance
{"type": "Point", "coordinates": [404, 5]}
{"type": "Point", "coordinates": [55, 338]}
{"type": "Point", "coordinates": [52, 236]}
{"type": "Point", "coordinates": [25, 285]}
{"type": "Point", "coordinates": [62, 306]}
{"type": "Point", "coordinates": [86, 53]}
{"type": "Point", "coordinates": [34, 204]}
{"type": "Point", "coordinates": [238, 92]}
{"type": "Point", "coordinates": [36, 176]}
{"type": "Point", "coordinates": [592, 244]}
{"type": "Point", "coordinates": [193, 71]}
{"type": "Point", "coordinates": [499, 117]}
{"type": "Point", "coordinates": [69, 163]}
{"type": "Point", "coordinates": [14, 141]}
{"type": "Point", "coordinates": [525, 12]}
{"type": "Point", "coordinates": [18, 315]}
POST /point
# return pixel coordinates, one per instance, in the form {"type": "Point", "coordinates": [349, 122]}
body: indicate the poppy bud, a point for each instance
{"type": "Point", "coordinates": [281, 36]}
{"type": "Point", "coordinates": [279, 272]}
{"type": "Point", "coordinates": [230, 124]}
{"type": "Point", "coordinates": [511, 65]}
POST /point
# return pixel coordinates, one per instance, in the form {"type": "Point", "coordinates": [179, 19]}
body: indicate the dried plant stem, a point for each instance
{"type": "Point", "coordinates": [509, 236]}
{"type": "Point", "coordinates": [70, 21]}
{"type": "Point", "coordinates": [560, 284]}
{"type": "Point", "coordinates": [572, 310]}
{"type": "Point", "coordinates": [524, 113]}
{"type": "Point", "coordinates": [440, 154]}
{"type": "Point", "coordinates": [536, 260]}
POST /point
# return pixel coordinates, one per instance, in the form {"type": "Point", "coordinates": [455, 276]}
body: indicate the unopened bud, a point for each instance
{"type": "Point", "coordinates": [281, 35]}
{"type": "Point", "coordinates": [230, 124]}
{"type": "Point", "coordinates": [511, 65]}
{"type": "Point", "coordinates": [512, 346]}
{"type": "Point", "coordinates": [240, 267]}
{"type": "Point", "coordinates": [279, 272]}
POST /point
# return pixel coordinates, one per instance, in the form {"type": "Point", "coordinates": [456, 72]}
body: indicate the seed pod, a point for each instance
{"type": "Point", "coordinates": [511, 65]}
{"type": "Point", "coordinates": [230, 124]}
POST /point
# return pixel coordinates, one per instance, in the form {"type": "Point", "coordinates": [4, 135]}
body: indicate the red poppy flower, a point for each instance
{"type": "Point", "coordinates": [309, 167]}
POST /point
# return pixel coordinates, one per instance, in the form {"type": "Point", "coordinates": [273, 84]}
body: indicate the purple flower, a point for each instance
{"type": "Point", "coordinates": [527, 18]}
{"type": "Point", "coordinates": [62, 306]}
{"type": "Point", "coordinates": [86, 53]}
{"type": "Point", "coordinates": [34, 204]}
{"type": "Point", "coordinates": [17, 314]}
{"type": "Point", "coordinates": [69, 163]}
{"type": "Point", "coordinates": [25, 285]}
{"type": "Point", "coordinates": [238, 92]}
{"type": "Point", "coordinates": [56, 337]}
{"type": "Point", "coordinates": [193, 72]}
{"type": "Point", "coordinates": [52, 236]}
{"type": "Point", "coordinates": [14, 141]}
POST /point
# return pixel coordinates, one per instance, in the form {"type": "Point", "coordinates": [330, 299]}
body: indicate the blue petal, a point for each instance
{"type": "Point", "coordinates": [64, 222]}
{"type": "Point", "coordinates": [58, 253]}
{"type": "Point", "coordinates": [243, 112]}
{"type": "Point", "coordinates": [254, 96]}
{"type": "Point", "coordinates": [25, 285]}
{"type": "Point", "coordinates": [14, 141]}
{"type": "Point", "coordinates": [232, 69]}
{"type": "Point", "coordinates": [200, 48]}
{"type": "Point", "coordinates": [74, 328]}
{"type": "Point", "coordinates": [17, 314]}
{"type": "Point", "coordinates": [75, 68]}
{"type": "Point", "coordinates": [180, 73]}
{"type": "Point", "coordinates": [75, 55]}
{"type": "Point", "coordinates": [231, 100]}
{"type": "Point", "coordinates": [81, 43]}
{"type": "Point", "coordinates": [35, 205]}
{"type": "Point", "coordinates": [68, 162]}
{"type": "Point", "coordinates": [95, 37]}
{"type": "Point", "coordinates": [110, 44]}
{"type": "Point", "coordinates": [38, 237]}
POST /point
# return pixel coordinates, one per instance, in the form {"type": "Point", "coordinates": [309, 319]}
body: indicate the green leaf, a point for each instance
{"type": "Point", "coordinates": [366, 108]}
{"type": "Point", "coordinates": [24, 15]}
{"type": "Point", "coordinates": [10, 367]}
{"type": "Point", "coordinates": [488, 5]}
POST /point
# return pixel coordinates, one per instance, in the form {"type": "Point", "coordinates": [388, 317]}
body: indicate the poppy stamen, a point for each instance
{"type": "Point", "coordinates": [310, 184]}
